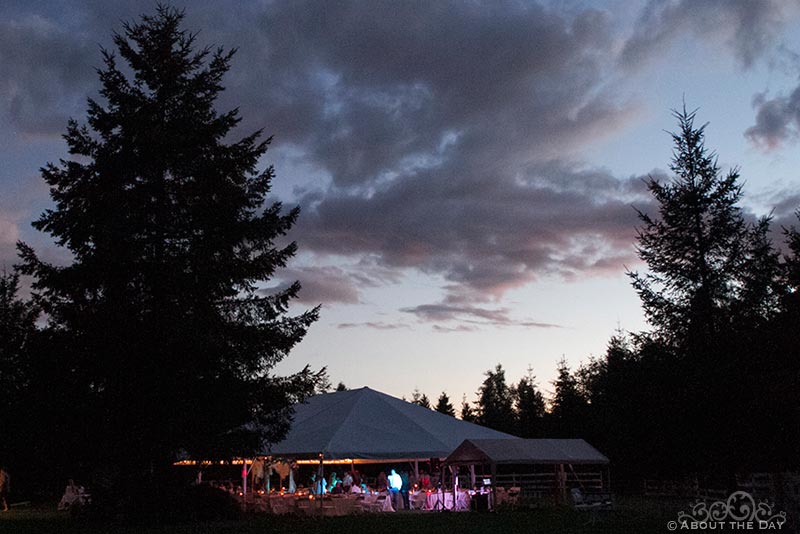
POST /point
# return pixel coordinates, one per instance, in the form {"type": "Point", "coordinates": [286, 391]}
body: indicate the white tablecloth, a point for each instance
{"type": "Point", "coordinates": [385, 501]}
{"type": "Point", "coordinates": [444, 501]}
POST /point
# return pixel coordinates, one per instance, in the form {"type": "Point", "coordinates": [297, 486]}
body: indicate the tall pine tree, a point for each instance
{"type": "Point", "coordinates": [695, 247]}
{"type": "Point", "coordinates": [495, 402]}
{"type": "Point", "coordinates": [420, 399]}
{"type": "Point", "coordinates": [713, 289]}
{"type": "Point", "coordinates": [443, 405]}
{"type": "Point", "coordinates": [161, 319]}
{"type": "Point", "coordinates": [467, 412]}
{"type": "Point", "coordinates": [568, 408]}
{"type": "Point", "coordinates": [529, 406]}
{"type": "Point", "coordinates": [17, 329]}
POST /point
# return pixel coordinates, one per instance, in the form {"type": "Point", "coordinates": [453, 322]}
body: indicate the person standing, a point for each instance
{"type": "Point", "coordinates": [347, 481]}
{"type": "Point", "coordinates": [257, 471]}
{"type": "Point", "coordinates": [395, 485]}
{"type": "Point", "coordinates": [5, 487]}
{"type": "Point", "coordinates": [383, 482]}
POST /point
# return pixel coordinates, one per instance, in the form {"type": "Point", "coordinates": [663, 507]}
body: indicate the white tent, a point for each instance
{"type": "Point", "coordinates": [369, 425]}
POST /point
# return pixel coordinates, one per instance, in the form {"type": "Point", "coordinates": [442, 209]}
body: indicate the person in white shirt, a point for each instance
{"type": "Point", "coordinates": [395, 483]}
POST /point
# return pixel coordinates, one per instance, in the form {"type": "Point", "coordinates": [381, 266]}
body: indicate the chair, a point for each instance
{"type": "Point", "coordinates": [382, 504]}
{"type": "Point", "coordinates": [592, 503]}
{"type": "Point", "coordinates": [418, 500]}
{"type": "Point", "coordinates": [590, 500]}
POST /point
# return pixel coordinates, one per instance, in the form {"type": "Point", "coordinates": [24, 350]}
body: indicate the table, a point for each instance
{"type": "Point", "coordinates": [377, 503]}
{"type": "Point", "coordinates": [444, 501]}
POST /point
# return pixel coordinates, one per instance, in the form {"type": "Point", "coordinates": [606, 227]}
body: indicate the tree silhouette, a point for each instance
{"type": "Point", "coordinates": [713, 293]}
{"type": "Point", "coordinates": [467, 412]}
{"type": "Point", "coordinates": [529, 406]}
{"type": "Point", "coordinates": [495, 403]}
{"type": "Point", "coordinates": [420, 399]}
{"type": "Point", "coordinates": [695, 247]}
{"type": "Point", "coordinates": [17, 369]}
{"type": "Point", "coordinates": [567, 417]}
{"type": "Point", "coordinates": [17, 328]}
{"type": "Point", "coordinates": [161, 316]}
{"type": "Point", "coordinates": [443, 405]}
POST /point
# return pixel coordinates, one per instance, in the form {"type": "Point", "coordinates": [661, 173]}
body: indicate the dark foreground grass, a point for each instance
{"type": "Point", "coordinates": [633, 516]}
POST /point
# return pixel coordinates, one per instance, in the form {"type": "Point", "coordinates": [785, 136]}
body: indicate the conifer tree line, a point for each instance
{"type": "Point", "coordinates": [713, 387]}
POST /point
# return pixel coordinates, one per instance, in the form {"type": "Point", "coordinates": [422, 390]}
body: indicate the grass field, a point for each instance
{"type": "Point", "coordinates": [630, 516]}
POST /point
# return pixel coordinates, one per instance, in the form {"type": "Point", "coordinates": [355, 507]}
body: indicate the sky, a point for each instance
{"type": "Point", "coordinates": [468, 172]}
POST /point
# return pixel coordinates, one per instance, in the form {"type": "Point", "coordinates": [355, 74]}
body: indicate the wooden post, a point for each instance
{"type": "Point", "coordinates": [244, 484]}
{"type": "Point", "coordinates": [493, 467]}
{"type": "Point", "coordinates": [320, 478]}
{"type": "Point", "coordinates": [454, 471]}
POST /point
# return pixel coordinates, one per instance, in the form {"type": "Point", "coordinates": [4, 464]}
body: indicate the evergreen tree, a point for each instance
{"type": "Point", "coordinates": [696, 246]}
{"type": "Point", "coordinates": [791, 296]}
{"type": "Point", "coordinates": [495, 402]}
{"type": "Point", "coordinates": [18, 335]}
{"type": "Point", "coordinates": [420, 399]}
{"type": "Point", "coordinates": [160, 318]}
{"type": "Point", "coordinates": [341, 387]}
{"type": "Point", "coordinates": [17, 329]}
{"type": "Point", "coordinates": [529, 407]}
{"type": "Point", "coordinates": [443, 405]}
{"type": "Point", "coordinates": [761, 286]}
{"type": "Point", "coordinates": [425, 402]}
{"type": "Point", "coordinates": [467, 411]}
{"type": "Point", "coordinates": [568, 406]}
{"type": "Point", "coordinates": [774, 375]}
{"type": "Point", "coordinates": [713, 294]}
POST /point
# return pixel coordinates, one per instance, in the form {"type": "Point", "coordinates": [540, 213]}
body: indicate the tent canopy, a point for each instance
{"type": "Point", "coordinates": [366, 424]}
{"type": "Point", "coordinates": [526, 451]}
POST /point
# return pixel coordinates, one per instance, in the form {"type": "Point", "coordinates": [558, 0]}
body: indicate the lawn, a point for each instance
{"type": "Point", "coordinates": [630, 516]}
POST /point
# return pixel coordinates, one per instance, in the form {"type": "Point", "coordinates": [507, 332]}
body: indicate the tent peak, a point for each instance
{"type": "Point", "coordinates": [367, 424]}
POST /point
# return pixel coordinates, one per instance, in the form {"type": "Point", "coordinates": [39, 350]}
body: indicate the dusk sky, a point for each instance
{"type": "Point", "coordinates": [467, 171]}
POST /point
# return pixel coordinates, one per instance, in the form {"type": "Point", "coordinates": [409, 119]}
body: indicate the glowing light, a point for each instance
{"type": "Point", "coordinates": [395, 482]}
{"type": "Point", "coordinates": [326, 462]}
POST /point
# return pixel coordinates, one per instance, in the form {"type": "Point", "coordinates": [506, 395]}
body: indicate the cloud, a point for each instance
{"type": "Point", "coordinates": [375, 325]}
{"type": "Point", "coordinates": [777, 120]}
{"type": "Point", "coordinates": [47, 74]}
{"type": "Point", "coordinates": [748, 27]}
{"type": "Point", "coordinates": [372, 91]}
{"type": "Point", "coordinates": [322, 285]}
{"type": "Point", "coordinates": [458, 328]}
{"type": "Point", "coordinates": [447, 132]}
{"type": "Point", "coordinates": [484, 236]}
{"type": "Point", "coordinates": [474, 315]}
{"type": "Point", "coordinates": [334, 284]}
{"type": "Point", "coordinates": [785, 209]}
